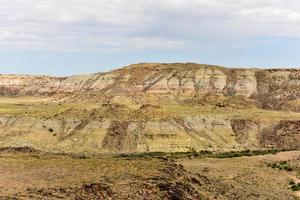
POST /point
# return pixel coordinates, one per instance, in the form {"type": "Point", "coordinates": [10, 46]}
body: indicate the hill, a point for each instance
{"type": "Point", "coordinates": [153, 107]}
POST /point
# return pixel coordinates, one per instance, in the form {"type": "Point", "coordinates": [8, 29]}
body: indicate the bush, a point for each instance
{"type": "Point", "coordinates": [292, 182]}
{"type": "Point", "coordinates": [83, 157]}
{"type": "Point", "coordinates": [295, 187]}
{"type": "Point", "coordinates": [288, 168]}
{"type": "Point", "coordinates": [51, 130]}
{"type": "Point", "coordinates": [282, 165]}
{"type": "Point", "coordinates": [274, 165]}
{"type": "Point", "coordinates": [193, 153]}
{"type": "Point", "coordinates": [283, 162]}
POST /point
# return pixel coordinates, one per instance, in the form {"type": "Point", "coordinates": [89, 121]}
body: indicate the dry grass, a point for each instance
{"type": "Point", "coordinates": [25, 174]}
{"type": "Point", "coordinates": [22, 171]}
{"type": "Point", "coordinates": [43, 108]}
{"type": "Point", "coordinates": [247, 177]}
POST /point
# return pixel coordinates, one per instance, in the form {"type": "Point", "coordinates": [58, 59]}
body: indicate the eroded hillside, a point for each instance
{"type": "Point", "coordinates": [153, 107]}
{"type": "Point", "coordinates": [270, 88]}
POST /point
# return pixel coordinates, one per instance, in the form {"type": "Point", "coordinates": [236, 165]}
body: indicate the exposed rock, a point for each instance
{"type": "Point", "coordinates": [284, 134]}
{"type": "Point", "coordinates": [153, 107]}
{"type": "Point", "coordinates": [272, 88]}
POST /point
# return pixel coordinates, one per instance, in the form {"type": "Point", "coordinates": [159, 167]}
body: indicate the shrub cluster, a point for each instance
{"type": "Point", "coordinates": [232, 154]}
{"type": "Point", "coordinates": [294, 186]}
{"type": "Point", "coordinates": [211, 154]}
{"type": "Point", "coordinates": [282, 165]}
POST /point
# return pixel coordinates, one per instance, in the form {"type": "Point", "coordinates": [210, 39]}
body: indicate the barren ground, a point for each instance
{"type": "Point", "coordinates": [44, 176]}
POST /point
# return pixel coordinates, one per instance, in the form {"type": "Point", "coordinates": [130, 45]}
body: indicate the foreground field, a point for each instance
{"type": "Point", "coordinates": [34, 175]}
{"type": "Point", "coordinates": [246, 177]}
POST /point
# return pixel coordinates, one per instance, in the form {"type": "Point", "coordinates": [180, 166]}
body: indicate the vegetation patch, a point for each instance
{"type": "Point", "coordinates": [209, 154]}
{"type": "Point", "coordinates": [282, 165]}
{"type": "Point", "coordinates": [51, 130]}
{"type": "Point", "coordinates": [294, 186]}
{"type": "Point", "coordinates": [248, 153]}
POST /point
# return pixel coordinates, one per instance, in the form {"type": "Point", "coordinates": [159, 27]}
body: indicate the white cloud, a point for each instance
{"type": "Point", "coordinates": [118, 25]}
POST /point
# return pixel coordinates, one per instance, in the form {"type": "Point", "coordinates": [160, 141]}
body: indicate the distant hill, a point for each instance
{"type": "Point", "coordinates": [153, 107]}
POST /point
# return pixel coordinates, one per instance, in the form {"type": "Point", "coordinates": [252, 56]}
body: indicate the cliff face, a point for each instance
{"type": "Point", "coordinates": [272, 88]}
{"type": "Point", "coordinates": [153, 107]}
{"type": "Point", "coordinates": [13, 85]}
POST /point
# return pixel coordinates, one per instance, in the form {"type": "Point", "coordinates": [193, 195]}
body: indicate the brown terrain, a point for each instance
{"type": "Point", "coordinates": [151, 131]}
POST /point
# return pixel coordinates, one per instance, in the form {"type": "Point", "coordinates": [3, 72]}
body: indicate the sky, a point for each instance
{"type": "Point", "coordinates": [64, 37]}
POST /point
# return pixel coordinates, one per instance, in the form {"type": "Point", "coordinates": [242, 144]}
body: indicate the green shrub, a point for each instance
{"type": "Point", "coordinates": [292, 182]}
{"type": "Point", "coordinates": [283, 162]}
{"type": "Point", "coordinates": [204, 153]}
{"type": "Point", "coordinates": [295, 187]}
{"type": "Point", "coordinates": [282, 165]}
{"type": "Point", "coordinates": [288, 168]}
{"type": "Point", "coordinates": [82, 157]}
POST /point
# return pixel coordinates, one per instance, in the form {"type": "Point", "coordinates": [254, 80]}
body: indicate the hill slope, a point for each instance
{"type": "Point", "coordinates": [153, 107]}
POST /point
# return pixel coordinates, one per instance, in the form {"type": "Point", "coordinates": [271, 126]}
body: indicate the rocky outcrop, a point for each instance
{"type": "Point", "coordinates": [245, 131]}
{"type": "Point", "coordinates": [177, 134]}
{"type": "Point", "coordinates": [271, 88]}
{"type": "Point", "coordinates": [13, 85]}
{"type": "Point", "coordinates": [284, 134]}
{"type": "Point", "coordinates": [142, 108]}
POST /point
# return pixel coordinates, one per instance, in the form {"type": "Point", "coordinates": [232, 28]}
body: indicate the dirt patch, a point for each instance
{"type": "Point", "coordinates": [18, 150]}
{"type": "Point", "coordinates": [115, 136]}
{"type": "Point", "coordinates": [285, 134]}
{"type": "Point", "coordinates": [119, 179]}
{"type": "Point", "coordinates": [242, 178]}
{"type": "Point", "coordinates": [234, 102]}
{"type": "Point", "coordinates": [241, 128]}
{"type": "Point", "coordinates": [276, 91]}
{"type": "Point", "coordinates": [149, 106]}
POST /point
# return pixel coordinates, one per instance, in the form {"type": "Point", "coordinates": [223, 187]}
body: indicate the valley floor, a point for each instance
{"type": "Point", "coordinates": [36, 175]}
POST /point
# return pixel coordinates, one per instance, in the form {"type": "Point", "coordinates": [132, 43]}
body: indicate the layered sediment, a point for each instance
{"type": "Point", "coordinates": [154, 107]}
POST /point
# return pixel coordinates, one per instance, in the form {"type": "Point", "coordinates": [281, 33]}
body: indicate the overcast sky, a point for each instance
{"type": "Point", "coordinates": [64, 37]}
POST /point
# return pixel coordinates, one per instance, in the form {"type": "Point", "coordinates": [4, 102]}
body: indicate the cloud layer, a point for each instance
{"type": "Point", "coordinates": [125, 25]}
